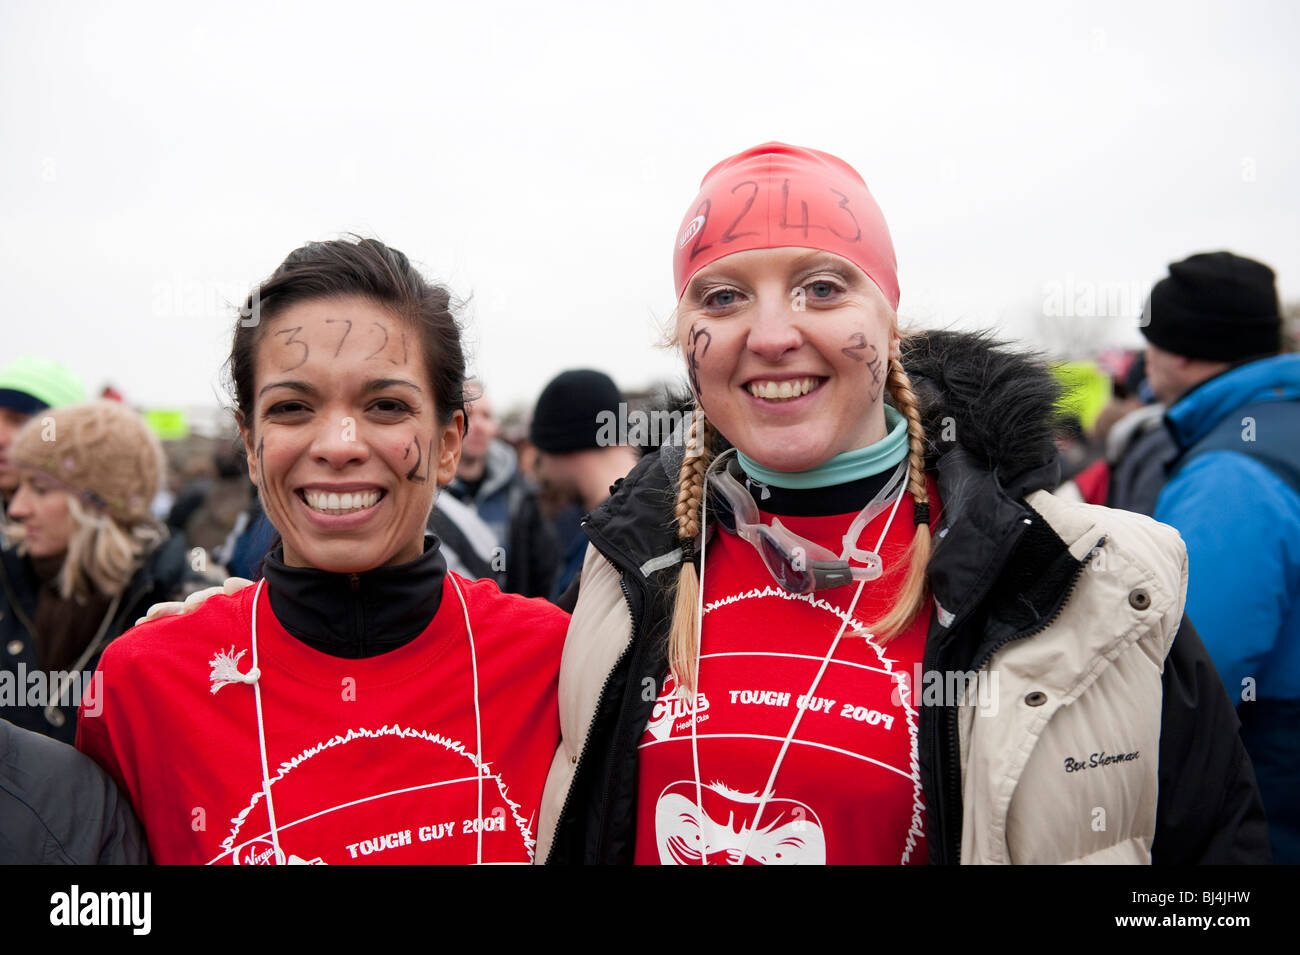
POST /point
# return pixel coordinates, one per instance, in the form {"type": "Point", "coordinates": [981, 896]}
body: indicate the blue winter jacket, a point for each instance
{"type": "Point", "coordinates": [1241, 521]}
{"type": "Point", "coordinates": [1234, 495]}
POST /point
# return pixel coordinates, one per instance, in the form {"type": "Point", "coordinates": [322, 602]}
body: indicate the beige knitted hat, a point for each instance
{"type": "Point", "coordinates": [102, 451]}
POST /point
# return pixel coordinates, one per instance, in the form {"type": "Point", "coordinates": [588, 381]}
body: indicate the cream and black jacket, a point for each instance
{"type": "Point", "coordinates": [1112, 740]}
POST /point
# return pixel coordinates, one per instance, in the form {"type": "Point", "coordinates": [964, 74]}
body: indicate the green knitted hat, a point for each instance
{"type": "Point", "coordinates": [30, 384]}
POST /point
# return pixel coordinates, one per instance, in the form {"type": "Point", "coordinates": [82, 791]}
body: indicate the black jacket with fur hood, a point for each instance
{"type": "Point", "coordinates": [1004, 581]}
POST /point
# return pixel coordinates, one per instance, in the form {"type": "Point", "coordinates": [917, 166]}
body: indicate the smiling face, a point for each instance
{"type": "Point", "coordinates": [344, 441]}
{"type": "Point", "coordinates": [788, 352]}
{"type": "Point", "coordinates": [42, 508]}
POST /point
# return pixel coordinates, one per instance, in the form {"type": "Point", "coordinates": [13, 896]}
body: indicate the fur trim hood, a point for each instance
{"type": "Point", "coordinates": [996, 402]}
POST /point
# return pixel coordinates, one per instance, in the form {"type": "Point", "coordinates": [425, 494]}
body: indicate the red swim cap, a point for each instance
{"type": "Point", "coordinates": [774, 196]}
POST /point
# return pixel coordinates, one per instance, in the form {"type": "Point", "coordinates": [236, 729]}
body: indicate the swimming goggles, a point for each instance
{"type": "Point", "coordinates": [797, 564]}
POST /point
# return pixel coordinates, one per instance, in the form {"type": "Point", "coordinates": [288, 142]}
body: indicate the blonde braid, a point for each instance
{"type": "Point", "coordinates": [682, 639]}
{"type": "Point", "coordinates": [912, 594]}
{"type": "Point", "coordinates": [690, 480]}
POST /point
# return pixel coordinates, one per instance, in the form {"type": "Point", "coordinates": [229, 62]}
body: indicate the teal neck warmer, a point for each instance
{"type": "Point", "coordinates": [849, 466]}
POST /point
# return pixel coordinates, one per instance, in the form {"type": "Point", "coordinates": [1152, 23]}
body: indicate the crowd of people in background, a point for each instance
{"type": "Point", "coordinates": [1202, 433]}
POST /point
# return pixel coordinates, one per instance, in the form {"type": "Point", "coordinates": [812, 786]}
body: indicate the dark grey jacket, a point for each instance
{"type": "Point", "coordinates": [58, 808]}
{"type": "Point", "coordinates": [1140, 450]}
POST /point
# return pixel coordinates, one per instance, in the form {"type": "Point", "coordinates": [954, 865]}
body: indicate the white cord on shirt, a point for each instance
{"type": "Point", "coordinates": [799, 711]}
{"type": "Point", "coordinates": [478, 719]}
{"type": "Point", "coordinates": [253, 677]}
{"type": "Point", "coordinates": [695, 690]}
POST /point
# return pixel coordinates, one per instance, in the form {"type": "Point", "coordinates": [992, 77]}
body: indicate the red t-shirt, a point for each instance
{"type": "Point", "coordinates": [373, 760]}
{"type": "Point", "coordinates": [849, 787]}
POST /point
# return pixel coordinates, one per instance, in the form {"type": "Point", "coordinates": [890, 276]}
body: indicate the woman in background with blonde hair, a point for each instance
{"type": "Point", "coordinates": [843, 620]}
{"type": "Point", "coordinates": [84, 558]}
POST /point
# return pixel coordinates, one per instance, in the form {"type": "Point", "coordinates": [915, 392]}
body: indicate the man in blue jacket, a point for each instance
{"type": "Point", "coordinates": [1214, 335]}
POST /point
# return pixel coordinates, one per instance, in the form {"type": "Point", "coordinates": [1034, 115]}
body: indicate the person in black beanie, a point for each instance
{"type": "Point", "coordinates": [575, 462]}
{"type": "Point", "coordinates": [1215, 310]}
{"type": "Point", "coordinates": [501, 500]}
{"type": "Point", "coordinates": [1213, 329]}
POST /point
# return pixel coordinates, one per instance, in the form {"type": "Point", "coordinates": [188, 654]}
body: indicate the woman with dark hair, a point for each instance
{"type": "Point", "coordinates": [774, 660]}
{"type": "Point", "coordinates": [361, 703]}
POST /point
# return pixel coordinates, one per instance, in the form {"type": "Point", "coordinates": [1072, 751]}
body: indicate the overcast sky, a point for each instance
{"type": "Point", "coordinates": [159, 159]}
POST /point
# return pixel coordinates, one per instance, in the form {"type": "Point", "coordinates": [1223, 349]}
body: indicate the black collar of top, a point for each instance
{"type": "Point", "coordinates": [847, 498]}
{"type": "Point", "coordinates": [357, 615]}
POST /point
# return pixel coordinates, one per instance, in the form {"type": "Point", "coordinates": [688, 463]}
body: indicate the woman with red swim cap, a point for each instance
{"type": "Point", "coordinates": [844, 620]}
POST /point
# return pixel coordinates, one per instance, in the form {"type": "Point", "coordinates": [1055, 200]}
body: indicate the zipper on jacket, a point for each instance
{"type": "Point", "coordinates": [586, 743]}
{"type": "Point", "coordinates": [954, 785]}
{"type": "Point", "coordinates": [354, 584]}
{"type": "Point", "coordinates": [622, 719]}
{"type": "Point", "coordinates": [950, 766]}
{"type": "Point", "coordinates": [954, 739]}
{"type": "Point", "coordinates": [1043, 625]}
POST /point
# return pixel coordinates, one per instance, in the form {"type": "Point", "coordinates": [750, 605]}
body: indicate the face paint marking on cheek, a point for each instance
{"type": "Point", "coordinates": [697, 340]}
{"type": "Point", "coordinates": [414, 475]}
{"type": "Point", "coordinates": [294, 340]}
{"type": "Point", "coordinates": [261, 443]}
{"type": "Point", "coordinates": [876, 367]}
{"type": "Point", "coordinates": [411, 475]}
{"type": "Point", "coordinates": [857, 343]}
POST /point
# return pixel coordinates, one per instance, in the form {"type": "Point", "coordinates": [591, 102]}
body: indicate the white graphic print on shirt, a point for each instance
{"type": "Point", "coordinates": [254, 850]}
{"type": "Point", "coordinates": [687, 831]}
{"type": "Point", "coordinates": [854, 754]}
